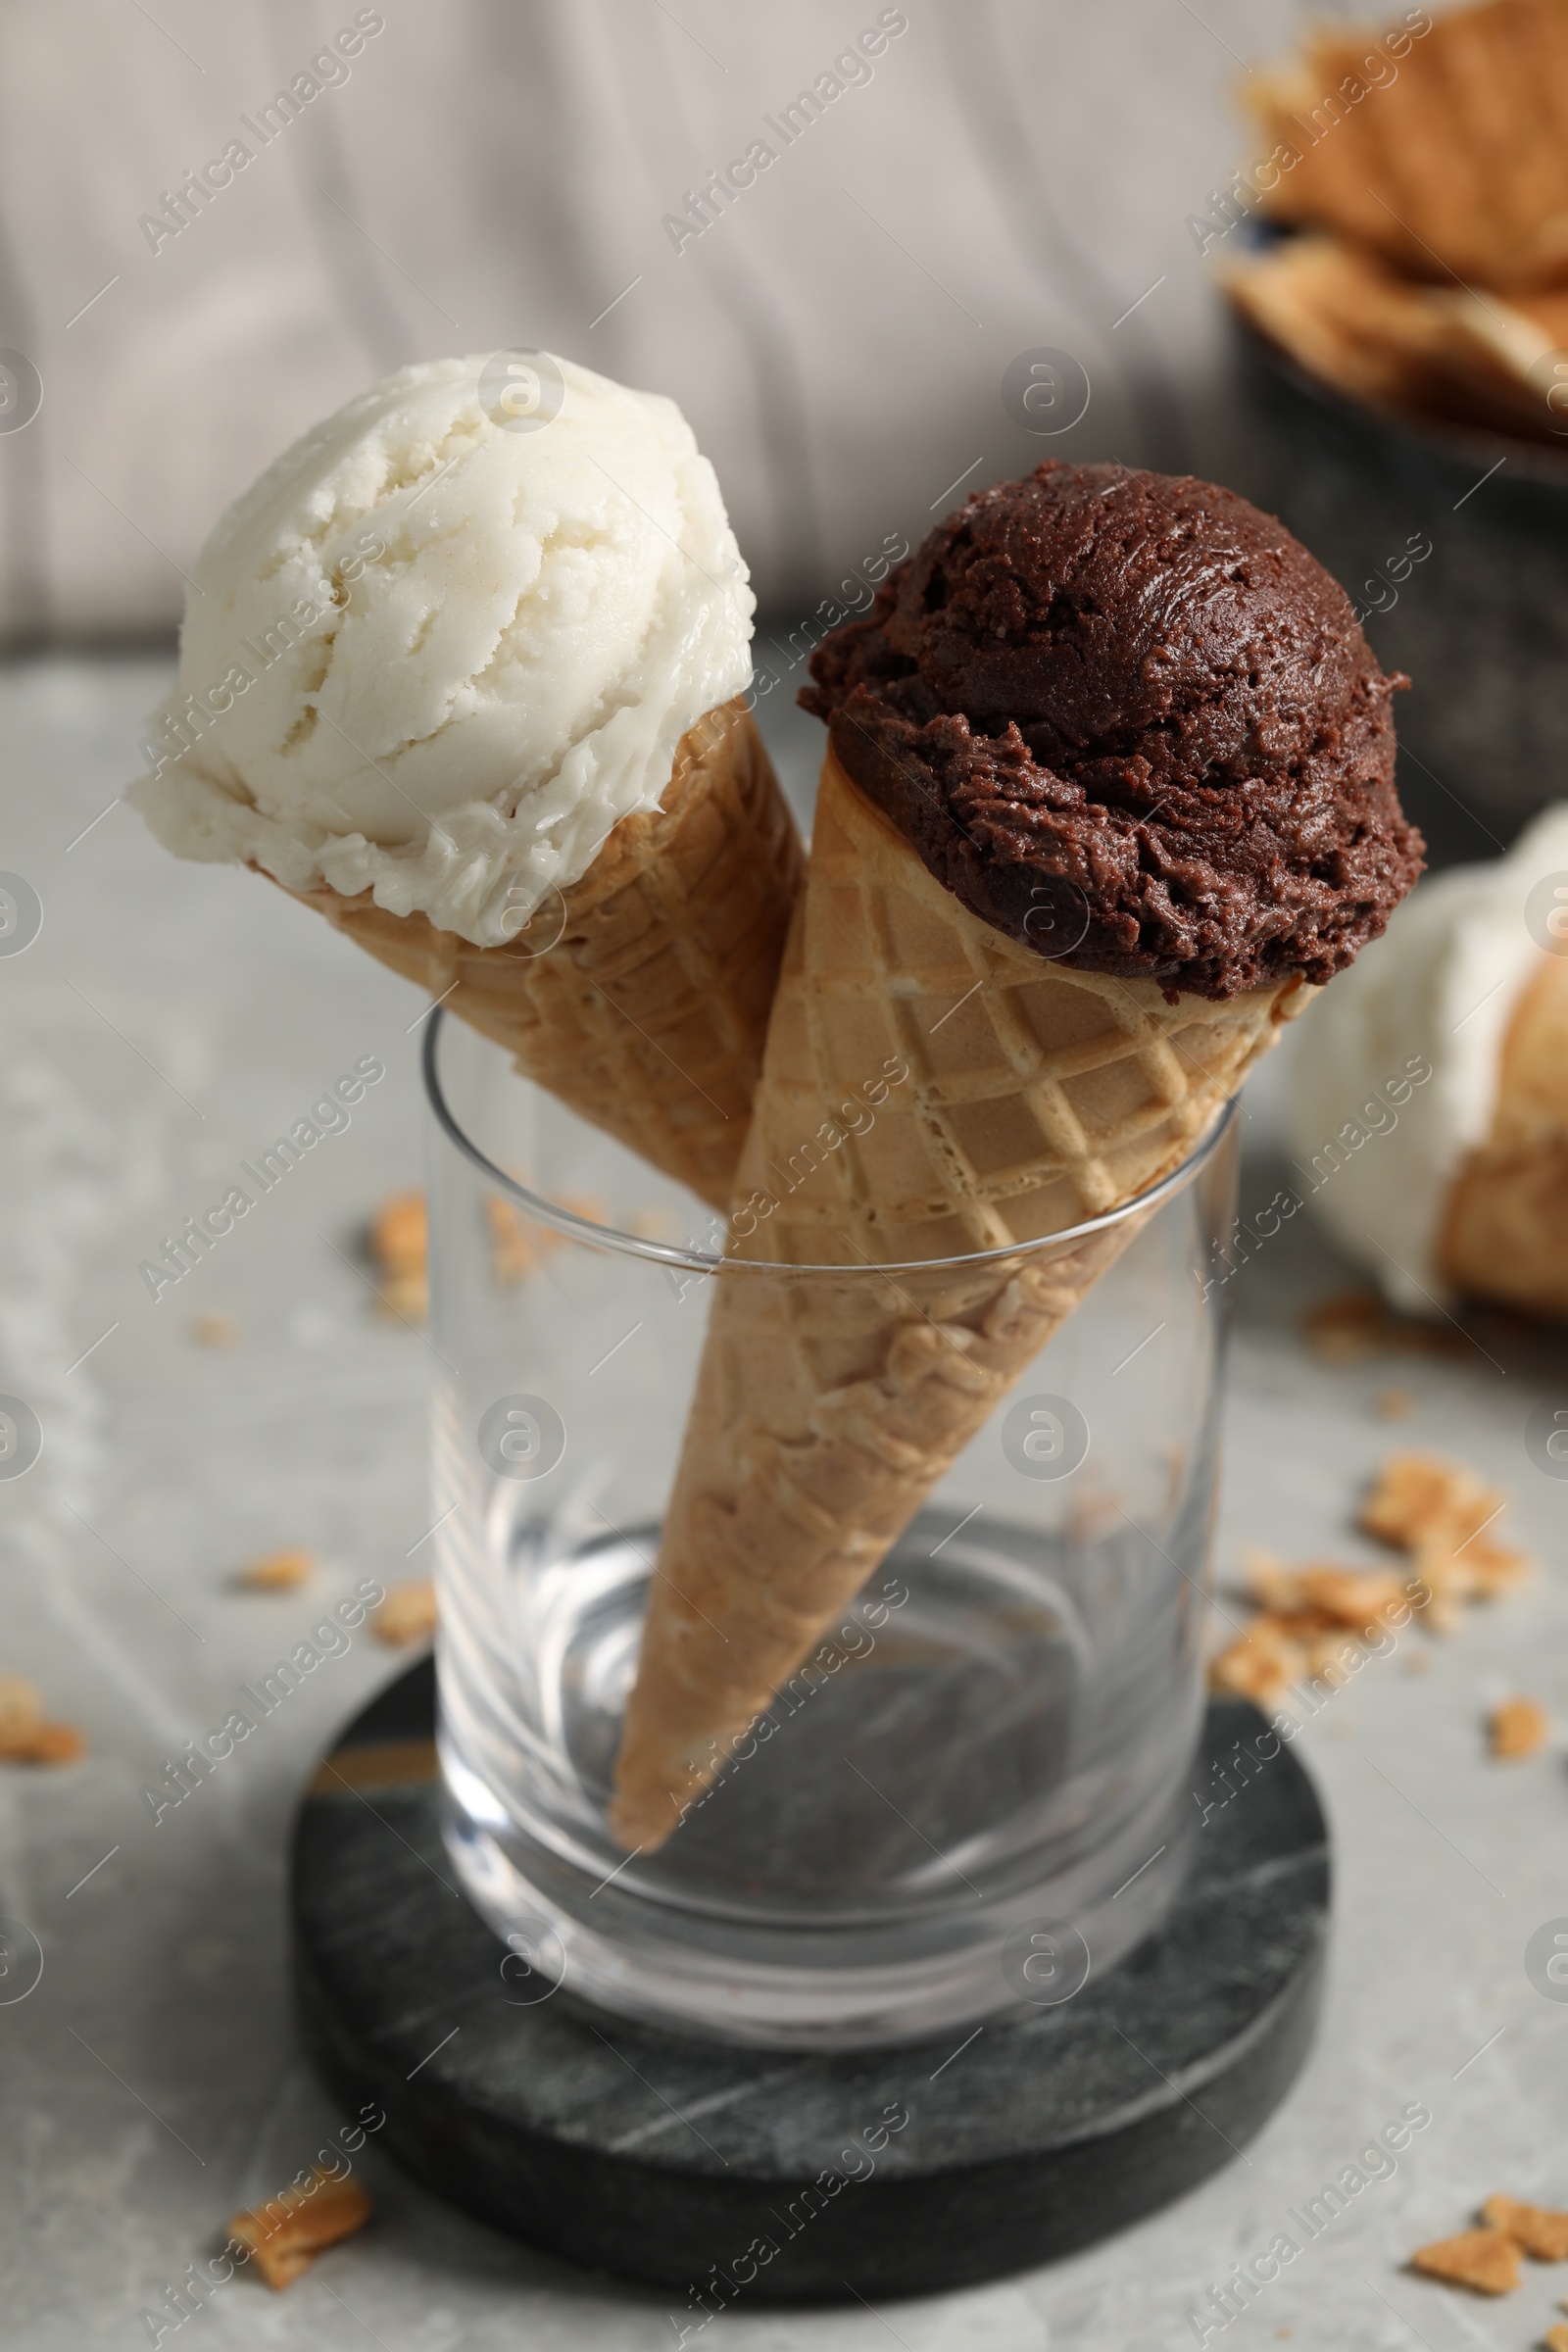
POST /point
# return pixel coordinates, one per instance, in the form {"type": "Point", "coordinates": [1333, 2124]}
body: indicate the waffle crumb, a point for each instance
{"type": "Point", "coordinates": [1419, 1494]}
{"type": "Point", "coordinates": [399, 1245]}
{"type": "Point", "coordinates": [657, 1225]}
{"type": "Point", "coordinates": [1519, 1728]}
{"type": "Point", "coordinates": [46, 1743]}
{"type": "Point", "coordinates": [1260, 1664]}
{"type": "Point", "coordinates": [20, 1709]}
{"type": "Point", "coordinates": [405, 1298]}
{"type": "Point", "coordinates": [287, 2233]}
{"type": "Point", "coordinates": [1543, 2233]}
{"type": "Point", "coordinates": [518, 1249]}
{"type": "Point", "coordinates": [398, 1234]}
{"type": "Point", "coordinates": [1394, 1405]}
{"type": "Point", "coordinates": [214, 1331]}
{"type": "Point", "coordinates": [278, 1571]}
{"type": "Point", "coordinates": [1351, 1327]}
{"type": "Point", "coordinates": [513, 1253]}
{"type": "Point", "coordinates": [1090, 1514]}
{"type": "Point", "coordinates": [1306, 1625]}
{"type": "Point", "coordinates": [1442, 1513]}
{"type": "Point", "coordinates": [1271, 1584]}
{"type": "Point", "coordinates": [25, 1737]}
{"type": "Point", "coordinates": [1556, 2339]}
{"type": "Point", "coordinates": [1338, 1596]}
{"type": "Point", "coordinates": [408, 1613]}
{"type": "Point", "coordinates": [1483, 2260]}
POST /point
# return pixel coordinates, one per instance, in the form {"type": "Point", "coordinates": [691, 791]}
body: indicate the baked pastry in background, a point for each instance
{"type": "Point", "coordinates": [1425, 173]}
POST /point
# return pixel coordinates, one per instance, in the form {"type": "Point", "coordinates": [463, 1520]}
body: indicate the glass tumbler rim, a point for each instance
{"type": "Point", "coordinates": [574, 1227]}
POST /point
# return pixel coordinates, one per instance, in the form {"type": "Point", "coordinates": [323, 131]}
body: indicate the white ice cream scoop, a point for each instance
{"type": "Point", "coordinates": [1396, 1076]}
{"type": "Point", "coordinates": [450, 638]}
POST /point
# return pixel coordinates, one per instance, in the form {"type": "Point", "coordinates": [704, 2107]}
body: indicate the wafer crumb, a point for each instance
{"type": "Point", "coordinates": [398, 1234]}
{"type": "Point", "coordinates": [287, 2233]}
{"type": "Point", "coordinates": [1271, 1584]}
{"type": "Point", "coordinates": [656, 1225]}
{"type": "Point", "coordinates": [20, 1707]}
{"type": "Point", "coordinates": [49, 1744]}
{"type": "Point", "coordinates": [1353, 1596]}
{"type": "Point", "coordinates": [1090, 1513]}
{"type": "Point", "coordinates": [1419, 1493]}
{"type": "Point", "coordinates": [405, 1296]}
{"type": "Point", "coordinates": [25, 1737]}
{"type": "Point", "coordinates": [1306, 1625]}
{"type": "Point", "coordinates": [400, 1244]}
{"type": "Point", "coordinates": [278, 1571]}
{"type": "Point", "coordinates": [1347, 1596]}
{"type": "Point", "coordinates": [408, 1613]}
{"type": "Point", "coordinates": [214, 1331]}
{"type": "Point", "coordinates": [1260, 1664]}
{"type": "Point", "coordinates": [1443, 1514]}
{"type": "Point", "coordinates": [1351, 1327]}
{"type": "Point", "coordinates": [1483, 2260]}
{"type": "Point", "coordinates": [1556, 2339]}
{"type": "Point", "coordinates": [1518, 1728]}
{"type": "Point", "coordinates": [1394, 1405]}
{"type": "Point", "coordinates": [518, 1248]}
{"type": "Point", "coordinates": [514, 1254]}
{"type": "Point", "coordinates": [592, 1208]}
{"type": "Point", "coordinates": [1543, 2233]}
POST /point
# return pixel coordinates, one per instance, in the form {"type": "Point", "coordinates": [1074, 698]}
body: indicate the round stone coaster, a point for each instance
{"type": "Point", "coordinates": [728, 2176]}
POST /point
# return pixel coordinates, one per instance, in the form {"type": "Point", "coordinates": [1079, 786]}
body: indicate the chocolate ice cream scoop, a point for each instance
{"type": "Point", "coordinates": [1128, 715]}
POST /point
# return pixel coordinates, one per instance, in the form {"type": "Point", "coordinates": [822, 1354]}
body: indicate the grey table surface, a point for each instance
{"type": "Point", "coordinates": [166, 1021]}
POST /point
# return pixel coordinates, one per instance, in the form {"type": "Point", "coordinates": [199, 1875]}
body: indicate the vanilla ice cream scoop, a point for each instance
{"type": "Point", "coordinates": [1395, 1081]}
{"type": "Point", "coordinates": [451, 638]}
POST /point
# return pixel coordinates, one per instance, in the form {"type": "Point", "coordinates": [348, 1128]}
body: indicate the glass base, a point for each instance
{"type": "Point", "coordinates": [949, 1815]}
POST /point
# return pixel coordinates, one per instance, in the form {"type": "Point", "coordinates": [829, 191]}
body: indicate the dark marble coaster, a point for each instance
{"type": "Point", "coordinates": [724, 2175]}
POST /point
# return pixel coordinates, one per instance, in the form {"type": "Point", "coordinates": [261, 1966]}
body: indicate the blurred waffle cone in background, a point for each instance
{"type": "Point", "coordinates": [1506, 1233]}
{"type": "Point", "coordinates": [640, 996]}
{"type": "Point", "coordinates": [1453, 161]}
{"type": "Point", "coordinates": [1430, 189]}
{"type": "Point", "coordinates": [1463, 1190]}
{"type": "Point", "coordinates": [982, 1096]}
{"type": "Point", "coordinates": [1422, 350]}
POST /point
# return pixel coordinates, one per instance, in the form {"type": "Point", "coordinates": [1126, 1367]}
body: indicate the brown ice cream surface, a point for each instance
{"type": "Point", "coordinates": [1128, 715]}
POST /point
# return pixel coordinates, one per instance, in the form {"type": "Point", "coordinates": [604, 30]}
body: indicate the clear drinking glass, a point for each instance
{"type": "Point", "coordinates": [975, 1790]}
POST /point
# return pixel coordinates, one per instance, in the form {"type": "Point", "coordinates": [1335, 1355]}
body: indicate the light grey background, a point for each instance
{"type": "Point", "coordinates": [169, 1019]}
{"type": "Point", "coordinates": [1018, 174]}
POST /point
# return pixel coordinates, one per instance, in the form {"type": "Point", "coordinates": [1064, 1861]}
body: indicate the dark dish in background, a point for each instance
{"type": "Point", "coordinates": [1400, 350]}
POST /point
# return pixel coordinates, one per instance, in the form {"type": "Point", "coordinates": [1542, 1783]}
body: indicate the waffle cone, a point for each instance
{"type": "Point", "coordinates": [1420, 350]}
{"type": "Point", "coordinates": [1449, 158]}
{"type": "Point", "coordinates": [1505, 1230]}
{"type": "Point", "coordinates": [1342, 316]}
{"type": "Point", "coordinates": [932, 1090]}
{"type": "Point", "coordinates": [640, 996]}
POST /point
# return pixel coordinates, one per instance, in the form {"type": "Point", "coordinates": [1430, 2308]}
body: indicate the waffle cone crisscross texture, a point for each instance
{"type": "Point", "coordinates": [1429, 170]}
{"type": "Point", "coordinates": [640, 996]}
{"type": "Point", "coordinates": [1451, 162]}
{"type": "Point", "coordinates": [932, 1090]}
